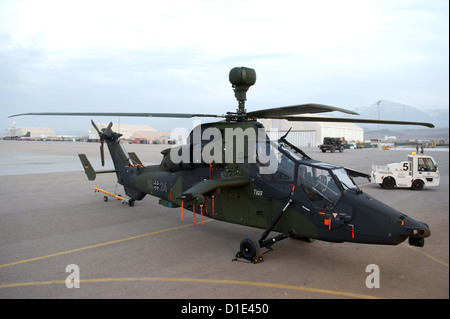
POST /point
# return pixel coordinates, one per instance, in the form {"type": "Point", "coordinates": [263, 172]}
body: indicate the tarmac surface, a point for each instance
{"type": "Point", "coordinates": [53, 226]}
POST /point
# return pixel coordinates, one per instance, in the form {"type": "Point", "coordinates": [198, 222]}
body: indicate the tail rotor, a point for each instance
{"type": "Point", "coordinates": [103, 134]}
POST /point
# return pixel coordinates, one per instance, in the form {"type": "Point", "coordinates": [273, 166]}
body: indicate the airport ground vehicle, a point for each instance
{"type": "Point", "coordinates": [415, 173]}
{"type": "Point", "coordinates": [332, 144]}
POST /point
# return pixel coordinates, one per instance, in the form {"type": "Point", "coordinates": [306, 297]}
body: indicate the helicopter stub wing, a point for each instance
{"type": "Point", "coordinates": [195, 194]}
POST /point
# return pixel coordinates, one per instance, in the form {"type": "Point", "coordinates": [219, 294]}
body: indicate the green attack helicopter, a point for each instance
{"type": "Point", "coordinates": [232, 172]}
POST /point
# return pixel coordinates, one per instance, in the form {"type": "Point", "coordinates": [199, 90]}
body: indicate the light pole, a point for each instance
{"type": "Point", "coordinates": [378, 133]}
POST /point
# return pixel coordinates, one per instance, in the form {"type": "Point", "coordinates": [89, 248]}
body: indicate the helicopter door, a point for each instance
{"type": "Point", "coordinates": [319, 186]}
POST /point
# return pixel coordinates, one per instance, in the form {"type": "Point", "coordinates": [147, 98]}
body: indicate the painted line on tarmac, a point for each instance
{"type": "Point", "coordinates": [426, 255]}
{"type": "Point", "coordinates": [193, 280]}
{"type": "Point", "coordinates": [97, 245]}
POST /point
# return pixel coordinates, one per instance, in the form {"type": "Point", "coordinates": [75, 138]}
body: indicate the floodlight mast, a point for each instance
{"type": "Point", "coordinates": [241, 79]}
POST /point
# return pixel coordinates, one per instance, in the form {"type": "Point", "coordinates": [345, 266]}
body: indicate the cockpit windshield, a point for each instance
{"type": "Point", "coordinates": [344, 179]}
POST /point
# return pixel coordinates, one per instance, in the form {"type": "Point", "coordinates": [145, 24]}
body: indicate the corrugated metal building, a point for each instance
{"type": "Point", "coordinates": [311, 134]}
{"type": "Point", "coordinates": [35, 132]}
{"type": "Point", "coordinates": [140, 134]}
{"type": "Point", "coordinates": [125, 129]}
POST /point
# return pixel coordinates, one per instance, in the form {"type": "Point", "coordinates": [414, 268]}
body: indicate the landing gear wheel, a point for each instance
{"type": "Point", "coordinates": [250, 250]}
{"type": "Point", "coordinates": [131, 202]}
{"type": "Point", "coordinates": [417, 185]}
{"type": "Point", "coordinates": [388, 183]}
{"type": "Point", "coordinates": [105, 198]}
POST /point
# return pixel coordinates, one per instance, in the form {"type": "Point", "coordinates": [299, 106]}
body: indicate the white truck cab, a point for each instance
{"type": "Point", "coordinates": [415, 173]}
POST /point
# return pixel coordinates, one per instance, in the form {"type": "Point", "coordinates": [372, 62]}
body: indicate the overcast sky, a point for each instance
{"type": "Point", "coordinates": [175, 56]}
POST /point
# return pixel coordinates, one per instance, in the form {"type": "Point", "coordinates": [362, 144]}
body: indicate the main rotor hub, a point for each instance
{"type": "Point", "coordinates": [241, 79]}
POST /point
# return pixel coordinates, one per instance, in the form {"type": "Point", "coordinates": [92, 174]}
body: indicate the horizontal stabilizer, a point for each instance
{"type": "Point", "coordinates": [89, 170]}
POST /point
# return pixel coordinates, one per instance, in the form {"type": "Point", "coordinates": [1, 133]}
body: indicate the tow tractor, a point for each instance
{"type": "Point", "coordinates": [415, 173]}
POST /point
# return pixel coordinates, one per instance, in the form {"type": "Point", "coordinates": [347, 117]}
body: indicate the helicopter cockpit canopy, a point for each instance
{"type": "Point", "coordinates": [323, 183]}
{"type": "Point", "coordinates": [320, 184]}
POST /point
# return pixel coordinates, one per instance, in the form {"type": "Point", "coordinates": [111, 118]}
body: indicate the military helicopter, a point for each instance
{"type": "Point", "coordinates": [231, 171]}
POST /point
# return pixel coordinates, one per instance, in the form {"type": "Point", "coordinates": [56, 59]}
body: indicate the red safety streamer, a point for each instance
{"type": "Point", "coordinates": [181, 210]}
{"type": "Point", "coordinates": [193, 211]}
{"type": "Point", "coordinates": [201, 215]}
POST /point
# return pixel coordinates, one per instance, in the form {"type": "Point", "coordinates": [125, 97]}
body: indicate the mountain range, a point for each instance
{"type": "Point", "coordinates": [388, 110]}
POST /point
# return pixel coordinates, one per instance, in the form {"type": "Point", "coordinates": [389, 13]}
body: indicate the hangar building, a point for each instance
{"type": "Point", "coordinates": [311, 134]}
{"type": "Point", "coordinates": [138, 134]}
{"type": "Point", "coordinates": [34, 132]}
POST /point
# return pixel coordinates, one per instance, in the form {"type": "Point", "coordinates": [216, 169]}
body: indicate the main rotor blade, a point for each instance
{"type": "Point", "coordinates": [170, 115]}
{"type": "Point", "coordinates": [348, 120]}
{"type": "Point", "coordinates": [297, 109]}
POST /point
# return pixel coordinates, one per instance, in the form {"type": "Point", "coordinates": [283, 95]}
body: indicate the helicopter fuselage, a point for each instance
{"type": "Point", "coordinates": [307, 198]}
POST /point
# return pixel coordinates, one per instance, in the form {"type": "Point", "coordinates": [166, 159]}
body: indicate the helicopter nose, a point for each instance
{"type": "Point", "coordinates": [416, 231]}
